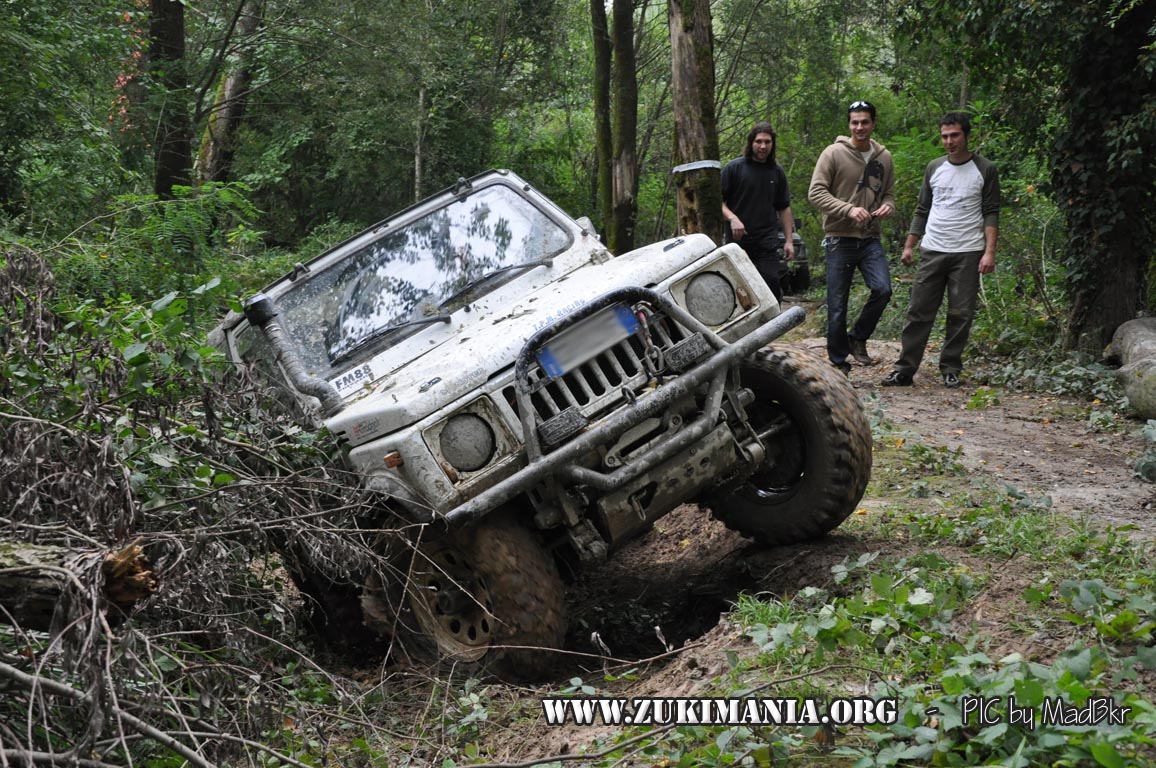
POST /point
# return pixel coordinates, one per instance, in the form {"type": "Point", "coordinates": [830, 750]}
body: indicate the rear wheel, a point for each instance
{"type": "Point", "coordinates": [489, 594]}
{"type": "Point", "coordinates": [818, 450]}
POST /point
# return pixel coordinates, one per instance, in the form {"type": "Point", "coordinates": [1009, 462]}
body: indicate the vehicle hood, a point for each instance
{"type": "Point", "coordinates": [485, 339]}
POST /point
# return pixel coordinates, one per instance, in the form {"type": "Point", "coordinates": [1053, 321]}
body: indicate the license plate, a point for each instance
{"type": "Point", "coordinates": [576, 345]}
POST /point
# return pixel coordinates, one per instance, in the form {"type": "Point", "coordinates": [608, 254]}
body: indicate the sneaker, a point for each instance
{"type": "Point", "coordinates": [898, 379]}
{"type": "Point", "coordinates": [859, 351]}
{"type": "Point", "coordinates": [951, 380]}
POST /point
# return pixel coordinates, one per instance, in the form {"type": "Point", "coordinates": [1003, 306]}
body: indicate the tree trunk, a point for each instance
{"type": "Point", "coordinates": [172, 144]}
{"type": "Point", "coordinates": [620, 232]}
{"type": "Point", "coordinates": [603, 146]}
{"type": "Point", "coordinates": [1102, 173]}
{"type": "Point", "coordinates": [33, 579]}
{"type": "Point", "coordinates": [224, 123]}
{"type": "Point", "coordinates": [419, 145]}
{"type": "Point", "coordinates": [695, 131]}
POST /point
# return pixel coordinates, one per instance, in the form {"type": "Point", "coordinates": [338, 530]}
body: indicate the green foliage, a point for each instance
{"type": "Point", "coordinates": [1060, 374]}
{"type": "Point", "coordinates": [934, 730]}
{"type": "Point", "coordinates": [983, 399]}
{"type": "Point", "coordinates": [56, 147]}
{"type": "Point", "coordinates": [147, 246]}
{"type": "Point", "coordinates": [1145, 466]}
{"type": "Point", "coordinates": [937, 460]}
{"type": "Point", "coordinates": [406, 108]}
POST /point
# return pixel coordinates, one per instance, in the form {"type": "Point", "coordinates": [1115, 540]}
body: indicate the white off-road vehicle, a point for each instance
{"type": "Point", "coordinates": [524, 398]}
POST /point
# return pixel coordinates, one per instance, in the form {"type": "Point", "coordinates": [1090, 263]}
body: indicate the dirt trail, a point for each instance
{"type": "Point", "coordinates": [1041, 445]}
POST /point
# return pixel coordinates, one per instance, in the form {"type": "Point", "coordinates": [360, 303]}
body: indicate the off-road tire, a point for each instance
{"type": "Point", "coordinates": [507, 602]}
{"type": "Point", "coordinates": [817, 468]}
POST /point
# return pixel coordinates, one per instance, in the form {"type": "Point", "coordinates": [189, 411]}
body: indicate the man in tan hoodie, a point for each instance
{"type": "Point", "coordinates": [853, 186]}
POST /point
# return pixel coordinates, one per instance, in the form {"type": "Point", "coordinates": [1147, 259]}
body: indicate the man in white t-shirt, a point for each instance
{"type": "Point", "coordinates": [957, 217]}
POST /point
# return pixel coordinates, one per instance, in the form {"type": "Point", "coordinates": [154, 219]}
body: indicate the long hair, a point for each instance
{"type": "Point", "coordinates": [761, 127]}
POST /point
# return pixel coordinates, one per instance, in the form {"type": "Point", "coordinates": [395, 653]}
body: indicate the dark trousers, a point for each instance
{"type": "Point", "coordinates": [769, 263]}
{"type": "Point", "coordinates": [844, 256]}
{"type": "Point", "coordinates": [958, 275]}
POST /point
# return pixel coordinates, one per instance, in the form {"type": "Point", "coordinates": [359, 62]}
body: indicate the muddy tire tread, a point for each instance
{"type": "Point", "coordinates": [845, 437]}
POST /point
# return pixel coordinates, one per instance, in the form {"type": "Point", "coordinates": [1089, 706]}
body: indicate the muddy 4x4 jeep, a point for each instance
{"type": "Point", "coordinates": [523, 396]}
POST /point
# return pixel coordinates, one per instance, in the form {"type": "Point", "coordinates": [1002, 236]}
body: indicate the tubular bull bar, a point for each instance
{"type": "Point", "coordinates": [563, 461]}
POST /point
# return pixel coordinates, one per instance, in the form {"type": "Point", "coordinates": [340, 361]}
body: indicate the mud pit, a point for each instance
{"type": "Point", "coordinates": [688, 569]}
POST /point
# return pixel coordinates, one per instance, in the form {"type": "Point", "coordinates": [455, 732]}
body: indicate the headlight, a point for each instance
{"type": "Point", "coordinates": [710, 297]}
{"type": "Point", "coordinates": [467, 442]}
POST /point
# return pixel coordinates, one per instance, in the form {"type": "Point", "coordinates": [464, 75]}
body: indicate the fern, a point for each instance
{"type": "Point", "coordinates": [150, 246]}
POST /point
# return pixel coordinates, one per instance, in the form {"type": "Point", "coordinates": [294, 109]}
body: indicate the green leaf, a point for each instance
{"type": "Point", "coordinates": [1079, 664]}
{"type": "Point", "coordinates": [921, 597]}
{"type": "Point", "coordinates": [1029, 693]}
{"type": "Point", "coordinates": [1106, 755]}
{"type": "Point", "coordinates": [991, 734]}
{"type": "Point", "coordinates": [882, 585]}
{"type": "Point", "coordinates": [213, 283]}
{"type": "Point", "coordinates": [164, 301]}
{"type": "Point", "coordinates": [134, 354]}
{"type": "Point", "coordinates": [1034, 596]}
{"type": "Point", "coordinates": [1146, 656]}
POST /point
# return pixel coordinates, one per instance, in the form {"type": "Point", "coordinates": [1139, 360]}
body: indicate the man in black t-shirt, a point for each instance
{"type": "Point", "coordinates": [755, 199]}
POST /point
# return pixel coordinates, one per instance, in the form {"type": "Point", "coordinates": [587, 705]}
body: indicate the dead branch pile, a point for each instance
{"type": "Point", "coordinates": [120, 434]}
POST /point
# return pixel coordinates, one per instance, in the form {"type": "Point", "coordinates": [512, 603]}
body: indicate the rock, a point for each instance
{"type": "Point", "coordinates": [1134, 344]}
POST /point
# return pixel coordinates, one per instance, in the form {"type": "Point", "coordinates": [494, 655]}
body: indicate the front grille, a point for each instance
{"type": "Point", "coordinates": [596, 386]}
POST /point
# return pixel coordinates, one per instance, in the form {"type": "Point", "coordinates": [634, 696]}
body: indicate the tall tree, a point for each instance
{"type": "Point", "coordinates": [172, 142]}
{"type": "Point", "coordinates": [1100, 129]}
{"type": "Point", "coordinates": [624, 213]}
{"type": "Point", "coordinates": [223, 124]}
{"type": "Point", "coordinates": [603, 142]}
{"type": "Point", "coordinates": [695, 132]}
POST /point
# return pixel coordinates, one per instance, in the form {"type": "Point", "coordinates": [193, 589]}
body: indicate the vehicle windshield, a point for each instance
{"type": "Point", "coordinates": [405, 274]}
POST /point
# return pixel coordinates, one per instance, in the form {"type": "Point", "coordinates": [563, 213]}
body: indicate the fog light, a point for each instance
{"type": "Point", "coordinates": [710, 297]}
{"type": "Point", "coordinates": [467, 442]}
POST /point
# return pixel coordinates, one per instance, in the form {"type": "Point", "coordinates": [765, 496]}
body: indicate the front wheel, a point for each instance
{"type": "Point", "coordinates": [818, 446]}
{"type": "Point", "coordinates": [489, 594]}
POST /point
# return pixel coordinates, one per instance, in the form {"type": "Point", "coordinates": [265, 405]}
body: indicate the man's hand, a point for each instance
{"type": "Point", "coordinates": [987, 264]}
{"type": "Point", "coordinates": [788, 250]}
{"type": "Point", "coordinates": [738, 229]}
{"type": "Point", "coordinates": [861, 215]}
{"type": "Point", "coordinates": [883, 211]}
{"type": "Point", "coordinates": [908, 256]}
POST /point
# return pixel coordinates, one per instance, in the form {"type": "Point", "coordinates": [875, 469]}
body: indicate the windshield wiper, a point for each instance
{"type": "Point", "coordinates": [386, 331]}
{"type": "Point", "coordinates": [490, 275]}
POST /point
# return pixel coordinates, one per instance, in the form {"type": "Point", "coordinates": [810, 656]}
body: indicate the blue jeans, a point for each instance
{"type": "Point", "coordinates": [844, 255]}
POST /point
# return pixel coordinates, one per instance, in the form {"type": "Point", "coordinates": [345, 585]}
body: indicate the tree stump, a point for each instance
{"type": "Point", "coordinates": [33, 578]}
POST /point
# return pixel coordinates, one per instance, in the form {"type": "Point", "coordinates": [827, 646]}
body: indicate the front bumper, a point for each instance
{"type": "Point", "coordinates": [564, 462]}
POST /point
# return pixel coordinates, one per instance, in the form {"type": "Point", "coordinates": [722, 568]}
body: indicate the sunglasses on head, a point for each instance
{"type": "Point", "coordinates": [856, 105]}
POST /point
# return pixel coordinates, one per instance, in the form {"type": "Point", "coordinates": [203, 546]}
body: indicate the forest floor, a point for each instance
{"type": "Point", "coordinates": [661, 604]}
